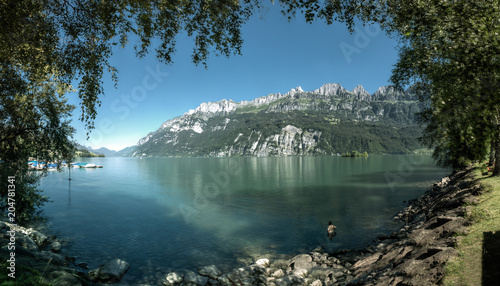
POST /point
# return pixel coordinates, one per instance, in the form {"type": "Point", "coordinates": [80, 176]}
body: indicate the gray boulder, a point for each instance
{"type": "Point", "coordinates": [56, 246]}
{"type": "Point", "coordinates": [264, 262]}
{"type": "Point", "coordinates": [280, 264]}
{"type": "Point", "coordinates": [240, 274]}
{"type": "Point", "coordinates": [316, 283]}
{"type": "Point", "coordinates": [191, 278]}
{"type": "Point", "coordinates": [325, 274]}
{"type": "Point", "coordinates": [39, 238]}
{"type": "Point", "coordinates": [224, 280]}
{"type": "Point", "coordinates": [258, 269]}
{"type": "Point", "coordinates": [278, 273]}
{"type": "Point", "coordinates": [173, 278]}
{"type": "Point", "coordinates": [284, 281]}
{"type": "Point", "coordinates": [302, 261]}
{"type": "Point", "coordinates": [26, 242]}
{"type": "Point", "coordinates": [110, 272]}
{"type": "Point", "coordinates": [300, 272]}
{"type": "Point", "coordinates": [210, 271]}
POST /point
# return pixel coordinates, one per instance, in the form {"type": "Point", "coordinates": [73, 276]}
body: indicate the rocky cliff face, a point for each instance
{"type": "Point", "coordinates": [290, 141]}
{"type": "Point", "coordinates": [294, 123]}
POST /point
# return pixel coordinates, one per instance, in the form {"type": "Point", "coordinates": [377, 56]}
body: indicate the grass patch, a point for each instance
{"type": "Point", "coordinates": [478, 260]}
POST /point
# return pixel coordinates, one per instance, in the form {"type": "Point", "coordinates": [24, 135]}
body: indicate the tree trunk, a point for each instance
{"type": "Point", "coordinates": [496, 170]}
{"type": "Point", "coordinates": [492, 152]}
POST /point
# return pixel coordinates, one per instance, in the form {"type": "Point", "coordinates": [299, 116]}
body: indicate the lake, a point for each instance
{"type": "Point", "coordinates": [165, 214]}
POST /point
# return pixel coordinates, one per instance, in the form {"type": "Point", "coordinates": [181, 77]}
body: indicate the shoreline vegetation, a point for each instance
{"type": "Point", "coordinates": [460, 210]}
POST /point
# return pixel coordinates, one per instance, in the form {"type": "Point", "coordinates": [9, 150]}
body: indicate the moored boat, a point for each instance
{"type": "Point", "coordinates": [51, 167]}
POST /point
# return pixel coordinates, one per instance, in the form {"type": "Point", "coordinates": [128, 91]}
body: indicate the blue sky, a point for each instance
{"type": "Point", "coordinates": [277, 56]}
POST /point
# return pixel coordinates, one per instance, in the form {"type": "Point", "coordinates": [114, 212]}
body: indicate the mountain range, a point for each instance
{"type": "Point", "coordinates": [328, 120]}
{"type": "Point", "coordinates": [100, 151]}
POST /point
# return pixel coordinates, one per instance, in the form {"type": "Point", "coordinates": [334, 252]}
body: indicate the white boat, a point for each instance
{"type": "Point", "coordinates": [51, 167]}
{"type": "Point", "coordinates": [90, 165]}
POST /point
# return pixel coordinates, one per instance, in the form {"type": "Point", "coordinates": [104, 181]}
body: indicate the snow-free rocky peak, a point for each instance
{"type": "Point", "coordinates": [223, 106]}
{"type": "Point", "coordinates": [360, 92]}
{"type": "Point", "coordinates": [293, 91]}
{"type": "Point", "coordinates": [330, 89]}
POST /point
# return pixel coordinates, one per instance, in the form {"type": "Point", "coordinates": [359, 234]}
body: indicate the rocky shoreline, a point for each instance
{"type": "Point", "coordinates": [415, 255]}
{"type": "Point", "coordinates": [33, 253]}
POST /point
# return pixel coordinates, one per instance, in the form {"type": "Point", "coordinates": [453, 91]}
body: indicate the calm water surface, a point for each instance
{"type": "Point", "coordinates": [163, 214]}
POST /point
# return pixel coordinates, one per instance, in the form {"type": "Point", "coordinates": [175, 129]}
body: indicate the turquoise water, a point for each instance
{"type": "Point", "coordinates": [163, 214]}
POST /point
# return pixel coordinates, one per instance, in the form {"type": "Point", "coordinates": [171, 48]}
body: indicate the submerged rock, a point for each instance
{"type": "Point", "coordinates": [110, 272]}
{"type": "Point", "coordinates": [191, 278]}
{"type": "Point", "coordinates": [240, 274]}
{"type": "Point", "coordinates": [210, 271]}
{"type": "Point", "coordinates": [224, 280]}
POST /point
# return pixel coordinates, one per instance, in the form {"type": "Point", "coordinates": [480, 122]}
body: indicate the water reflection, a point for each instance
{"type": "Point", "coordinates": [69, 194]}
{"type": "Point", "coordinates": [254, 205]}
